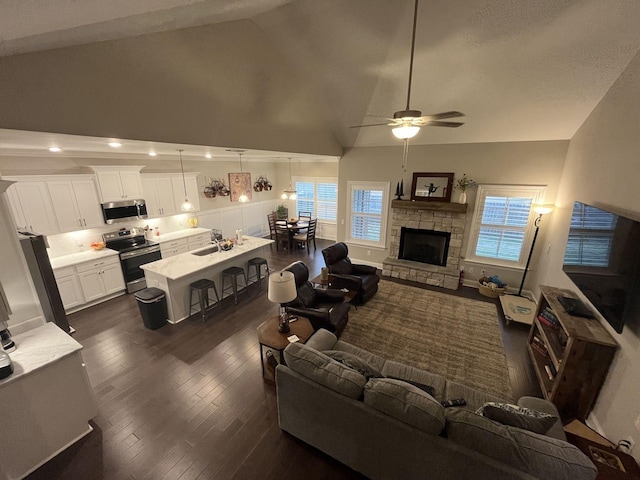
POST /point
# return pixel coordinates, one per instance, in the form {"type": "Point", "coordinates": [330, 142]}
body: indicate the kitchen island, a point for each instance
{"type": "Point", "coordinates": [174, 274]}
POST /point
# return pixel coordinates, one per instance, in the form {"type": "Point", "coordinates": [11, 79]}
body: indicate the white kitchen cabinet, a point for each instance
{"type": "Point", "coordinates": [76, 204]}
{"type": "Point", "coordinates": [117, 183]}
{"type": "Point", "coordinates": [69, 287]}
{"type": "Point", "coordinates": [158, 194]}
{"type": "Point", "coordinates": [174, 247]}
{"type": "Point", "coordinates": [198, 241]}
{"type": "Point", "coordinates": [100, 278]}
{"type": "Point", "coordinates": [46, 403]}
{"type": "Point", "coordinates": [32, 208]}
{"type": "Point", "coordinates": [191, 181]}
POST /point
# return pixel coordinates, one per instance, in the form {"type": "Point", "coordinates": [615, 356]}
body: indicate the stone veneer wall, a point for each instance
{"type": "Point", "coordinates": [427, 217]}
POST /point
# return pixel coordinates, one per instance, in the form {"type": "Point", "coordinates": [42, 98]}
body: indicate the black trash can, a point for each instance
{"type": "Point", "coordinates": [153, 307]}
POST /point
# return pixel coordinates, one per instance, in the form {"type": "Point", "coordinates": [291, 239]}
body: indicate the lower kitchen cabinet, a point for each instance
{"type": "Point", "coordinates": [46, 403]}
{"type": "Point", "coordinates": [69, 287]}
{"type": "Point", "coordinates": [100, 278]}
{"type": "Point", "coordinates": [174, 247]}
{"type": "Point", "coordinates": [198, 241]}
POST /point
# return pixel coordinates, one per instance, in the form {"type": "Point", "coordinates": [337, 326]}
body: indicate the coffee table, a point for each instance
{"type": "Point", "coordinates": [270, 337]}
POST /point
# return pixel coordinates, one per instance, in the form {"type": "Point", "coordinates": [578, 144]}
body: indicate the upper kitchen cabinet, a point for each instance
{"type": "Point", "coordinates": [32, 207]}
{"type": "Point", "coordinates": [158, 193]}
{"type": "Point", "coordinates": [191, 182]}
{"type": "Point", "coordinates": [118, 183]}
{"type": "Point", "coordinates": [76, 203]}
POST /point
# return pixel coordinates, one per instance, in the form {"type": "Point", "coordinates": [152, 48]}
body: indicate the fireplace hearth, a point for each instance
{"type": "Point", "coordinates": [424, 246]}
{"type": "Point", "coordinates": [408, 255]}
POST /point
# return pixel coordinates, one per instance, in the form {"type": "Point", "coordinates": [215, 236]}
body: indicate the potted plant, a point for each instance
{"type": "Point", "coordinates": [282, 212]}
{"type": "Point", "coordinates": [463, 184]}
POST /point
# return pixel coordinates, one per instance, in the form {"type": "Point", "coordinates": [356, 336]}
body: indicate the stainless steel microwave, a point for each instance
{"type": "Point", "coordinates": [114, 212]}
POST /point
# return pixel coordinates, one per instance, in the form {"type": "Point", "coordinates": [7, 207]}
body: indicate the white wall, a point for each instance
{"type": "Point", "coordinates": [602, 168]}
{"type": "Point", "coordinates": [530, 163]}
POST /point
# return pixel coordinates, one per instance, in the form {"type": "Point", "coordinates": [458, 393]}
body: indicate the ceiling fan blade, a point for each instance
{"type": "Point", "coordinates": [443, 124]}
{"type": "Point", "coordinates": [368, 125]}
{"type": "Point", "coordinates": [443, 115]}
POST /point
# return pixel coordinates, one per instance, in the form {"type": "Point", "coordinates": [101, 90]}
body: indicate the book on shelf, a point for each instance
{"type": "Point", "coordinates": [546, 322]}
{"type": "Point", "coordinates": [540, 349]}
{"type": "Point", "coordinates": [549, 315]}
{"type": "Point", "coordinates": [549, 373]}
{"type": "Point", "coordinates": [552, 367]}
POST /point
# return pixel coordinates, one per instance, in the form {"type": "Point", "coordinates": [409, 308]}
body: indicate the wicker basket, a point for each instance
{"type": "Point", "coordinates": [494, 292]}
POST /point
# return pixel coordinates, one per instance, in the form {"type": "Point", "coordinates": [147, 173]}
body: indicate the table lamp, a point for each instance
{"type": "Point", "coordinates": [282, 289]}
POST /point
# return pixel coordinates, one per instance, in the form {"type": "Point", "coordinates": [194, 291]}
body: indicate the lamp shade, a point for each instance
{"type": "Point", "coordinates": [543, 209]}
{"type": "Point", "coordinates": [282, 287]}
{"type": "Point", "coordinates": [405, 131]}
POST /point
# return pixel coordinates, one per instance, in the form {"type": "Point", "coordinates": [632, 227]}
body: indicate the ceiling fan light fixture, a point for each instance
{"type": "Point", "coordinates": [405, 131]}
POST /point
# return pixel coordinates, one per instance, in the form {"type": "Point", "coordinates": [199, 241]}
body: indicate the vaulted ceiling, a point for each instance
{"type": "Point", "coordinates": [520, 70]}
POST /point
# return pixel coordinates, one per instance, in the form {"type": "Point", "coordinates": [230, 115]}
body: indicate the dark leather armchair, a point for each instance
{"type": "Point", "coordinates": [324, 308]}
{"type": "Point", "coordinates": [344, 274]}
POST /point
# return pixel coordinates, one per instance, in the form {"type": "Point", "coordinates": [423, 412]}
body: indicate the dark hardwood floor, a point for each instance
{"type": "Point", "coordinates": [187, 401]}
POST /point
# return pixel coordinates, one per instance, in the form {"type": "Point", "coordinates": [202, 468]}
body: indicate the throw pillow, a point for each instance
{"type": "Point", "coordinates": [353, 361]}
{"type": "Point", "coordinates": [519, 417]}
{"type": "Point", "coordinates": [321, 369]}
{"type": "Point", "coordinates": [406, 403]}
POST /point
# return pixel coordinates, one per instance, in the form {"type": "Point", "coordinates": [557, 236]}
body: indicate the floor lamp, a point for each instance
{"type": "Point", "coordinates": [540, 210]}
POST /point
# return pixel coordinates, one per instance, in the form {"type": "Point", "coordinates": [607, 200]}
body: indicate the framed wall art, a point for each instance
{"type": "Point", "coordinates": [431, 187]}
{"type": "Point", "coordinates": [240, 183]}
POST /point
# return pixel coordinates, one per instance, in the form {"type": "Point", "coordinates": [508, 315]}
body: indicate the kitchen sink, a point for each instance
{"type": "Point", "coordinates": [206, 251]}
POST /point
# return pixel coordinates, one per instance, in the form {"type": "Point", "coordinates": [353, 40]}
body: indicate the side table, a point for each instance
{"type": "Point", "coordinates": [270, 337]}
{"type": "Point", "coordinates": [596, 448]}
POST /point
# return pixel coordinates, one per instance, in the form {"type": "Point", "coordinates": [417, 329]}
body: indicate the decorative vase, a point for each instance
{"type": "Point", "coordinates": [462, 198]}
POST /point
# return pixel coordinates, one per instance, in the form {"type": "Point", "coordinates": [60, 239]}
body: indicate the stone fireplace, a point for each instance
{"type": "Point", "coordinates": [431, 231]}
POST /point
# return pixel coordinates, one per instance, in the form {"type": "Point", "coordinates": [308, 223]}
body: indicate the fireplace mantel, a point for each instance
{"type": "Point", "coordinates": [434, 206]}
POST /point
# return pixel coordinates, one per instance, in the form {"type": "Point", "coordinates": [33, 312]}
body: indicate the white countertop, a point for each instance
{"type": "Point", "coordinates": [186, 263]}
{"type": "Point", "coordinates": [81, 257]}
{"type": "Point", "coordinates": [37, 348]}
{"type": "Point", "coordinates": [188, 232]}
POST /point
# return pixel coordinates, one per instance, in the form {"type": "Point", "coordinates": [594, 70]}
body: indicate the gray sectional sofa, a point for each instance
{"type": "Point", "coordinates": [386, 428]}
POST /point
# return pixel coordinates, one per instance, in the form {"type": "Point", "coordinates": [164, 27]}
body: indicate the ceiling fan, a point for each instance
{"type": "Point", "coordinates": [406, 123]}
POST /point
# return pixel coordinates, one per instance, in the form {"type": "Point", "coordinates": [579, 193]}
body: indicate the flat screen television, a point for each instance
{"type": "Point", "coordinates": [602, 258]}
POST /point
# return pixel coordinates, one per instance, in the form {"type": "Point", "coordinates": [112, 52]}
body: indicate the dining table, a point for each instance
{"type": "Point", "coordinates": [292, 228]}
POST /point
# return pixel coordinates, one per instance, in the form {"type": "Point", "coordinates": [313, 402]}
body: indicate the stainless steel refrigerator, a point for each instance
{"type": "Point", "coordinates": [34, 247]}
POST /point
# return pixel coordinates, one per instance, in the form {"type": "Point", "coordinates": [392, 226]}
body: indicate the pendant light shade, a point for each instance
{"type": "Point", "coordinates": [243, 198]}
{"type": "Point", "coordinates": [186, 206]}
{"type": "Point", "coordinates": [289, 193]}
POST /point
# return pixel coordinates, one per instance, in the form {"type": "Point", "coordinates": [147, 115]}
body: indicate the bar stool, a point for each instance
{"type": "Point", "coordinates": [202, 287]}
{"type": "Point", "coordinates": [257, 264]}
{"type": "Point", "coordinates": [232, 273]}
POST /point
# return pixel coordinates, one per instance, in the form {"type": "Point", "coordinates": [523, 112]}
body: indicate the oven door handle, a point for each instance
{"type": "Point", "coordinates": [137, 253]}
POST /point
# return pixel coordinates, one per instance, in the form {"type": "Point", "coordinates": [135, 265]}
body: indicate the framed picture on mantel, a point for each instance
{"type": "Point", "coordinates": [431, 187]}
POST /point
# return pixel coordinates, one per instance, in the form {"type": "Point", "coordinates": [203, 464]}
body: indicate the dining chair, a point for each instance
{"type": "Point", "coordinates": [308, 236]}
{"type": "Point", "coordinates": [275, 232]}
{"type": "Point", "coordinates": [304, 215]}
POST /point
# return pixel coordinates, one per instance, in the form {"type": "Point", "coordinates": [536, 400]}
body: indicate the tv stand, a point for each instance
{"type": "Point", "coordinates": [571, 355]}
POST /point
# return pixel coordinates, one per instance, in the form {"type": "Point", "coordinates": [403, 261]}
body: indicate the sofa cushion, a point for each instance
{"type": "Point", "coordinates": [406, 403]}
{"type": "Point", "coordinates": [538, 455]}
{"type": "Point", "coordinates": [516, 416]}
{"type": "Point", "coordinates": [410, 374]}
{"type": "Point", "coordinates": [475, 398]}
{"type": "Point", "coordinates": [320, 368]}
{"type": "Point", "coordinates": [353, 361]}
{"type": "Point", "coordinates": [372, 359]}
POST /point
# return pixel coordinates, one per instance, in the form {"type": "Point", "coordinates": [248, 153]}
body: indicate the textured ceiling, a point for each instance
{"type": "Point", "coordinates": [520, 70]}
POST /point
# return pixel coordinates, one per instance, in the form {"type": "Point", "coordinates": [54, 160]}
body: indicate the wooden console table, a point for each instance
{"type": "Point", "coordinates": [571, 360]}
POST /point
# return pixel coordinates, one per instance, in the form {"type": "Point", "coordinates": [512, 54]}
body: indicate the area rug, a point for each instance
{"type": "Point", "coordinates": [456, 337]}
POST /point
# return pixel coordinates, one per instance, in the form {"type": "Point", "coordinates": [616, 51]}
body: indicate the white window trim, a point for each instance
{"type": "Point", "coordinates": [315, 181]}
{"type": "Point", "coordinates": [535, 192]}
{"type": "Point", "coordinates": [384, 186]}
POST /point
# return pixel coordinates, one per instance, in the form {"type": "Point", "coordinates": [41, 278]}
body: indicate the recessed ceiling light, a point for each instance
{"type": "Point", "coordinates": [115, 144]}
{"type": "Point", "coordinates": [207, 155]}
{"type": "Point", "coordinates": [55, 149]}
{"type": "Point", "coordinates": [152, 154]}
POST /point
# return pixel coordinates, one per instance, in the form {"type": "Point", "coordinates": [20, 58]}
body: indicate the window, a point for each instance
{"type": "Point", "coordinates": [318, 196]}
{"type": "Point", "coordinates": [502, 227]}
{"type": "Point", "coordinates": [591, 237]}
{"type": "Point", "coordinates": [368, 203]}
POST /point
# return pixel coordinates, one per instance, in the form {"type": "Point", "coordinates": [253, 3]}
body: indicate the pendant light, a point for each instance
{"type": "Point", "coordinates": [290, 193]}
{"type": "Point", "coordinates": [186, 206]}
{"type": "Point", "coordinates": [243, 197]}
